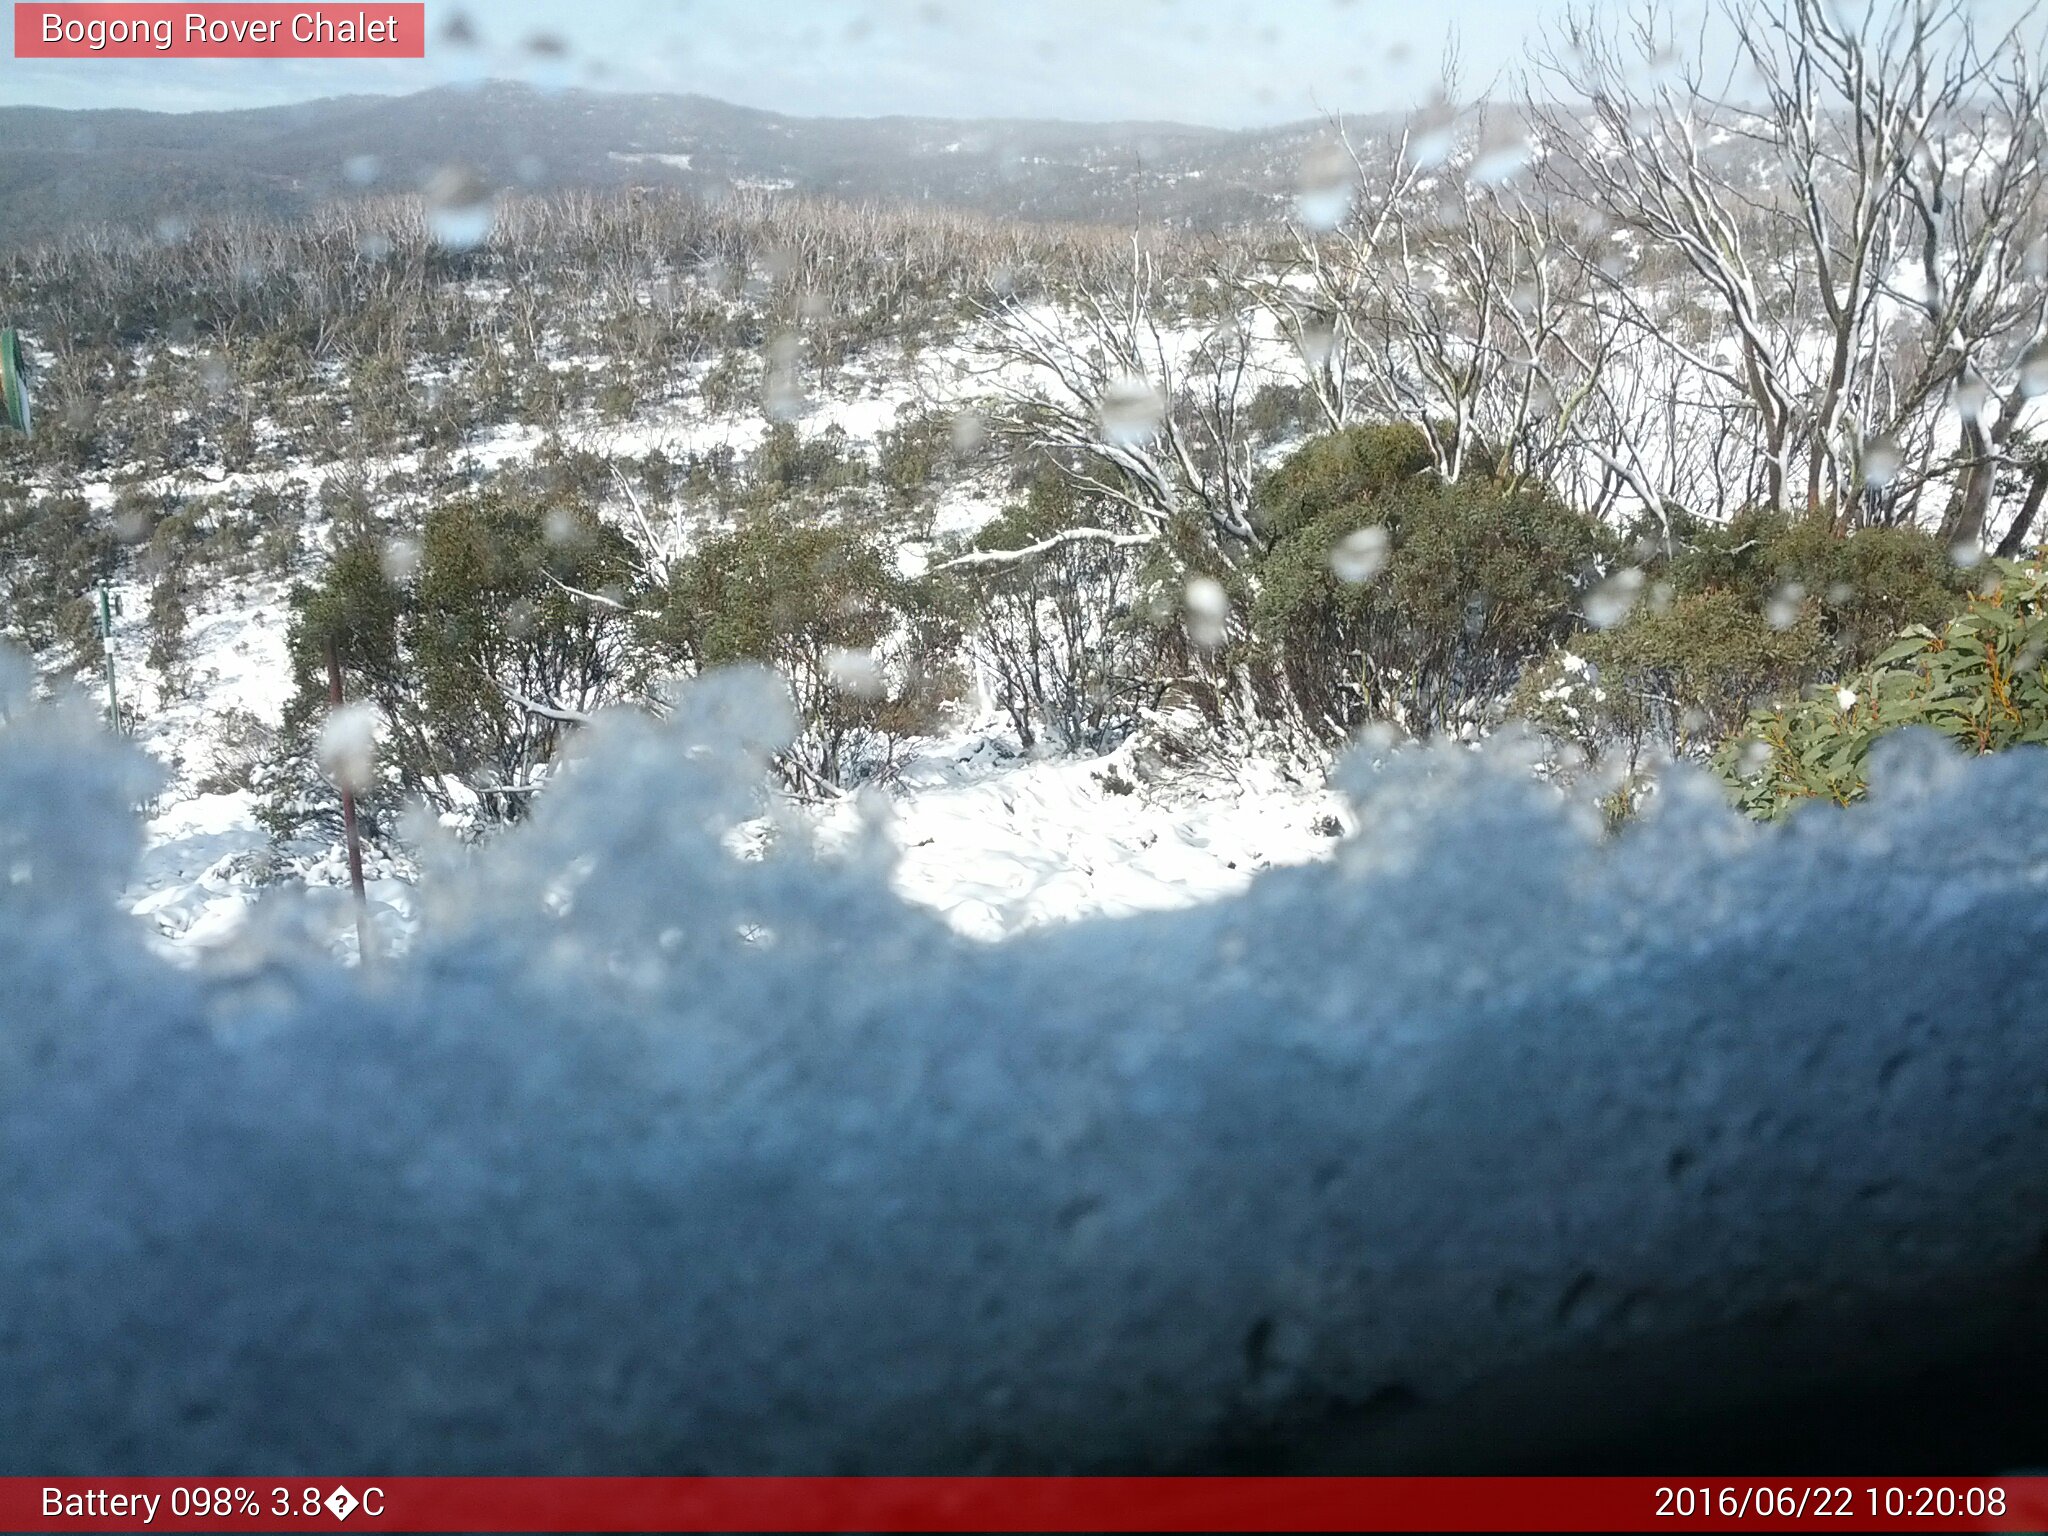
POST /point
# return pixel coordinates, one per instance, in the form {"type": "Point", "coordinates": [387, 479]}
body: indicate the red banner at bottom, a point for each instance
{"type": "Point", "coordinates": [1024, 1504]}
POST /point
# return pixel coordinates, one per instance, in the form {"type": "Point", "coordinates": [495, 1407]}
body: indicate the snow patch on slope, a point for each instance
{"type": "Point", "coordinates": [998, 845]}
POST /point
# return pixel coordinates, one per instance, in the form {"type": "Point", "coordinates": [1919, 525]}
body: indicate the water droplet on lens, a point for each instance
{"type": "Point", "coordinates": [1610, 602]}
{"type": "Point", "coordinates": [1208, 610]}
{"type": "Point", "coordinates": [1782, 612]}
{"type": "Point", "coordinates": [1972, 395]}
{"type": "Point", "coordinates": [2034, 370]}
{"type": "Point", "coordinates": [348, 741]}
{"type": "Point", "coordinates": [1361, 556]}
{"type": "Point", "coordinates": [970, 431]}
{"type": "Point", "coordinates": [782, 390]}
{"type": "Point", "coordinates": [1880, 462]}
{"type": "Point", "coordinates": [1130, 411]}
{"type": "Point", "coordinates": [214, 375]}
{"type": "Point", "coordinates": [1500, 157]}
{"type": "Point", "coordinates": [855, 672]}
{"type": "Point", "coordinates": [460, 208]}
{"type": "Point", "coordinates": [1324, 190]}
{"type": "Point", "coordinates": [401, 558]}
{"type": "Point", "coordinates": [1318, 342]}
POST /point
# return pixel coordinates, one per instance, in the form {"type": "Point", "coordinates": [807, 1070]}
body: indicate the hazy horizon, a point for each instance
{"type": "Point", "coordinates": [1209, 63]}
{"type": "Point", "coordinates": [492, 81]}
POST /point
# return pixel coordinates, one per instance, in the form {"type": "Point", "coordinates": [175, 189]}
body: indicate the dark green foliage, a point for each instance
{"type": "Point", "coordinates": [789, 463]}
{"type": "Point", "coordinates": [355, 610]}
{"type": "Point", "coordinates": [1477, 581]}
{"type": "Point", "coordinates": [201, 539]}
{"type": "Point", "coordinates": [1338, 470]}
{"type": "Point", "coordinates": [1865, 587]}
{"type": "Point", "coordinates": [1279, 411]}
{"type": "Point", "coordinates": [53, 551]}
{"type": "Point", "coordinates": [379, 401]}
{"type": "Point", "coordinates": [1731, 616]}
{"type": "Point", "coordinates": [513, 625]}
{"type": "Point", "coordinates": [911, 455]}
{"type": "Point", "coordinates": [1677, 673]}
{"type": "Point", "coordinates": [822, 605]}
{"type": "Point", "coordinates": [167, 620]}
{"type": "Point", "coordinates": [727, 383]}
{"type": "Point", "coordinates": [1981, 680]}
{"type": "Point", "coordinates": [275, 522]}
{"type": "Point", "coordinates": [498, 639]}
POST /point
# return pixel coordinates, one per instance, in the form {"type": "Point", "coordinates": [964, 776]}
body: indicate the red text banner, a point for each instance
{"type": "Point", "coordinates": [929, 1504]}
{"type": "Point", "coordinates": [220, 31]}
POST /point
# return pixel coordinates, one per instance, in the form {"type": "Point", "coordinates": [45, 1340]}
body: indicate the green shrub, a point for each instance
{"type": "Point", "coordinates": [53, 551]}
{"type": "Point", "coordinates": [823, 606]}
{"type": "Point", "coordinates": [1737, 614]}
{"type": "Point", "coordinates": [911, 455]}
{"type": "Point", "coordinates": [788, 463]}
{"type": "Point", "coordinates": [1277, 412]}
{"type": "Point", "coordinates": [729, 384]}
{"type": "Point", "coordinates": [514, 622]}
{"type": "Point", "coordinates": [355, 608]}
{"type": "Point", "coordinates": [168, 643]}
{"type": "Point", "coordinates": [1339, 470]}
{"type": "Point", "coordinates": [1476, 582]}
{"type": "Point", "coordinates": [617, 399]}
{"type": "Point", "coordinates": [1980, 679]}
{"type": "Point", "coordinates": [1865, 587]}
{"type": "Point", "coordinates": [1675, 675]}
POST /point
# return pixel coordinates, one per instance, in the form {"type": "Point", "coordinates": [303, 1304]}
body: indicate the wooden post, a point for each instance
{"type": "Point", "coordinates": [350, 835]}
{"type": "Point", "coordinates": [107, 648]}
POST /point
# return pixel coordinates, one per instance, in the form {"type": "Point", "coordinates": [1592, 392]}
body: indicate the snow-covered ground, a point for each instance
{"type": "Point", "coordinates": [1001, 844]}
{"type": "Point", "coordinates": [994, 841]}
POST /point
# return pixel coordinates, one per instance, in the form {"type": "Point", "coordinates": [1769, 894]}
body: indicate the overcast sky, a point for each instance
{"type": "Point", "coordinates": [1224, 62]}
{"type": "Point", "coordinates": [1221, 62]}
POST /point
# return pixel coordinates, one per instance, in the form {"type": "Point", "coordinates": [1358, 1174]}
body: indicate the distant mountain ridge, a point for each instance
{"type": "Point", "coordinates": [63, 169]}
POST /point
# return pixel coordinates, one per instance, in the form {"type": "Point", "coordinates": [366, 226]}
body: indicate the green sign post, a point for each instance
{"type": "Point", "coordinates": [13, 381]}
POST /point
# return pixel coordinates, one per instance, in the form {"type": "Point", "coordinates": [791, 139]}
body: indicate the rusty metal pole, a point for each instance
{"type": "Point", "coordinates": [350, 835]}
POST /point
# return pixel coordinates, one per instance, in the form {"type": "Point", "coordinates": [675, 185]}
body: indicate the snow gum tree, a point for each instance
{"type": "Point", "coordinates": [1058, 632]}
{"type": "Point", "coordinates": [509, 627]}
{"type": "Point", "coordinates": [1854, 205]}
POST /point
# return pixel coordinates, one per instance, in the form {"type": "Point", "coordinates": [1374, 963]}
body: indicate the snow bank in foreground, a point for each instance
{"type": "Point", "coordinates": [648, 1158]}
